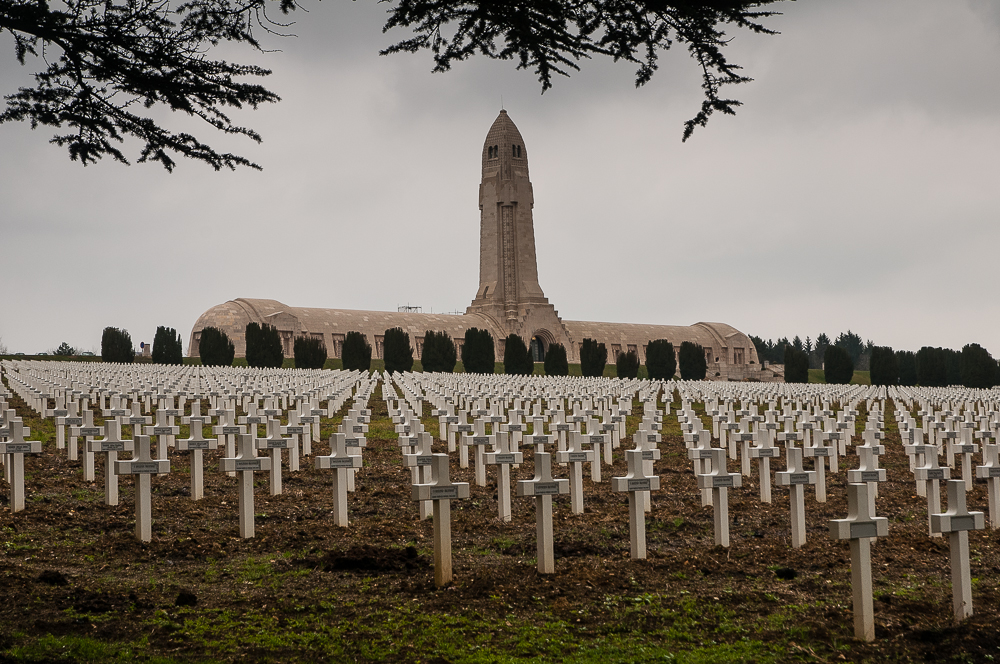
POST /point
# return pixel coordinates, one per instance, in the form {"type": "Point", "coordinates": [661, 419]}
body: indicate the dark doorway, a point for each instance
{"type": "Point", "coordinates": [537, 349]}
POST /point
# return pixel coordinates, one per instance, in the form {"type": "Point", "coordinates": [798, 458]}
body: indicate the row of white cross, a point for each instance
{"type": "Point", "coordinates": [581, 414]}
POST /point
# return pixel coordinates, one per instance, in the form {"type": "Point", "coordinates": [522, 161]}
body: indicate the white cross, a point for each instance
{"type": "Point", "coordinates": [795, 477]}
{"type": "Point", "coordinates": [636, 481]}
{"type": "Point", "coordinates": [718, 480]}
{"type": "Point", "coordinates": [504, 457]}
{"type": "Point", "coordinates": [957, 522]}
{"type": "Point", "coordinates": [441, 491]}
{"type": "Point", "coordinates": [340, 461]}
{"type": "Point", "coordinates": [16, 447]}
{"type": "Point", "coordinates": [110, 446]}
{"type": "Point", "coordinates": [196, 443]}
{"type": "Point", "coordinates": [543, 487]}
{"type": "Point", "coordinates": [143, 465]}
{"type": "Point", "coordinates": [246, 462]}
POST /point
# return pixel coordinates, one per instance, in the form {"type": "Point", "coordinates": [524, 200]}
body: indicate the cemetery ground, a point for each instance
{"type": "Point", "coordinates": [78, 586]}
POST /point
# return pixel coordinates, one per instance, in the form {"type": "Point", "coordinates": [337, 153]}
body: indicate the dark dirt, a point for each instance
{"type": "Point", "coordinates": [68, 557]}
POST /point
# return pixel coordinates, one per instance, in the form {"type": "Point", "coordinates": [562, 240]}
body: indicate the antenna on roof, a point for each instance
{"type": "Point", "coordinates": [501, 103]}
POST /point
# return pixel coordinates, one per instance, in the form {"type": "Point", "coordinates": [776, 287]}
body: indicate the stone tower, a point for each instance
{"type": "Point", "coordinates": [509, 293]}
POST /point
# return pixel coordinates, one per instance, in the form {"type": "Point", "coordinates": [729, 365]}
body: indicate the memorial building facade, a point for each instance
{"type": "Point", "coordinates": [509, 298]}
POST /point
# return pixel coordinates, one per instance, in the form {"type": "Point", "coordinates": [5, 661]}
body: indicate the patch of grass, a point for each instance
{"type": "Point", "coordinates": [71, 648]}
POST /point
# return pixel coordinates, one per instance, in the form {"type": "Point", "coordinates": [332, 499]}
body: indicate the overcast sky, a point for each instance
{"type": "Point", "coordinates": [857, 188]}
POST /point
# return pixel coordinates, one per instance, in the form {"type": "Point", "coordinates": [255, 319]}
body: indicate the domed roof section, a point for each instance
{"type": "Point", "coordinates": [504, 148]}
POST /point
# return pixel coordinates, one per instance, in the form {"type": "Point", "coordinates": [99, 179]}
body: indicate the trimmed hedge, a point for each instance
{"type": "Point", "coordinates": [883, 366]}
{"type": "Point", "coordinates": [796, 365]}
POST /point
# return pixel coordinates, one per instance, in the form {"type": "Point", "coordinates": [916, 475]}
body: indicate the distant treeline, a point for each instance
{"type": "Point", "coordinates": [973, 366]}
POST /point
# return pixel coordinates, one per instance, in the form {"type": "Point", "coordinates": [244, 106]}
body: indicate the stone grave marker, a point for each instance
{"type": "Point", "coordinates": [718, 481]}
{"type": "Point", "coordinates": [143, 466]}
{"type": "Point", "coordinates": [196, 443]}
{"type": "Point", "coordinates": [543, 487]}
{"type": "Point", "coordinates": [14, 449]}
{"type": "Point", "coordinates": [340, 461]}
{"type": "Point", "coordinates": [110, 446]}
{"type": "Point", "coordinates": [860, 527]}
{"type": "Point", "coordinates": [245, 463]}
{"type": "Point", "coordinates": [441, 491]}
{"type": "Point", "coordinates": [795, 477]}
{"type": "Point", "coordinates": [957, 522]}
{"type": "Point", "coordinates": [503, 457]}
{"type": "Point", "coordinates": [634, 482]}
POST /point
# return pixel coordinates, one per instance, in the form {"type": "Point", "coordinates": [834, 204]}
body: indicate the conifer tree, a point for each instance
{"type": "Point", "coordinates": [691, 358]}
{"type": "Point", "coordinates": [215, 348]}
{"type": "Point", "coordinates": [838, 367]}
{"type": "Point", "coordinates": [439, 353]}
{"type": "Point", "coordinates": [397, 351]}
{"type": "Point", "coordinates": [116, 346]}
{"type": "Point", "coordinates": [516, 359]}
{"type": "Point", "coordinates": [264, 348]}
{"type": "Point", "coordinates": [627, 364]}
{"type": "Point", "coordinates": [556, 363]}
{"type": "Point", "coordinates": [167, 346]}
{"type": "Point", "coordinates": [661, 362]}
{"type": "Point", "coordinates": [593, 358]}
{"type": "Point", "coordinates": [309, 353]}
{"type": "Point", "coordinates": [478, 352]}
{"type": "Point", "coordinates": [357, 352]}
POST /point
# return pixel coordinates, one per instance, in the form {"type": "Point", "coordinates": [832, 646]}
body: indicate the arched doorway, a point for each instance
{"type": "Point", "coordinates": [537, 348]}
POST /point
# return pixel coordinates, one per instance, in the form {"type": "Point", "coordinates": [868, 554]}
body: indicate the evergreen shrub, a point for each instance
{"type": "Point", "coordinates": [661, 362]}
{"type": "Point", "coordinates": [838, 366]}
{"type": "Point", "coordinates": [439, 354]}
{"type": "Point", "coordinates": [884, 366]}
{"type": "Point", "coordinates": [516, 359]}
{"type": "Point", "coordinates": [116, 346]}
{"type": "Point", "coordinates": [593, 358]}
{"type": "Point", "coordinates": [478, 352]}
{"type": "Point", "coordinates": [627, 364]}
{"type": "Point", "coordinates": [167, 346]}
{"type": "Point", "coordinates": [396, 350]}
{"type": "Point", "coordinates": [309, 353]}
{"type": "Point", "coordinates": [693, 364]}
{"type": "Point", "coordinates": [215, 348]}
{"type": "Point", "coordinates": [356, 353]}
{"type": "Point", "coordinates": [556, 363]}
{"type": "Point", "coordinates": [264, 346]}
{"type": "Point", "coordinates": [796, 365]}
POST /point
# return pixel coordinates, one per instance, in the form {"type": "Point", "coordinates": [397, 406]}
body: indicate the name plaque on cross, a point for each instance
{"type": "Point", "coordinates": [341, 462]}
{"type": "Point", "coordinates": [352, 442]}
{"type": "Point", "coordinates": [141, 468]}
{"type": "Point", "coordinates": [562, 427]}
{"type": "Point", "coordinates": [870, 476]}
{"type": "Point", "coordinates": [290, 430]}
{"type": "Point", "coordinates": [546, 488]}
{"type": "Point", "coordinates": [73, 421]}
{"type": "Point", "coordinates": [442, 492]}
{"type": "Point", "coordinates": [247, 464]}
{"type": "Point", "coordinates": [231, 431]}
{"type": "Point", "coordinates": [197, 444]}
{"type": "Point", "coordinates": [108, 446]}
{"type": "Point", "coordinates": [639, 485]}
{"type": "Point", "coordinates": [464, 428]}
{"type": "Point", "coordinates": [798, 478]}
{"type": "Point", "coordinates": [451, 419]}
{"type": "Point", "coordinates": [504, 458]}
{"type": "Point", "coordinates": [163, 431]}
{"type": "Point", "coordinates": [358, 428]}
{"type": "Point", "coordinates": [725, 481]}
{"type": "Point", "coordinates": [480, 440]}
{"type": "Point", "coordinates": [90, 431]}
{"type": "Point", "coordinates": [542, 440]}
{"type": "Point", "coordinates": [578, 457]}
{"type": "Point", "coordinates": [514, 427]}
{"type": "Point", "coordinates": [15, 448]}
